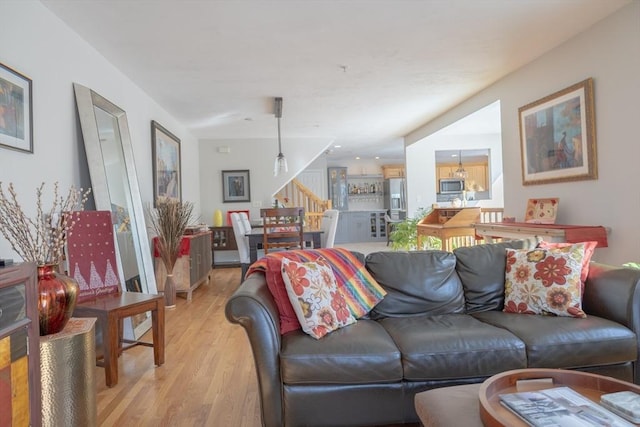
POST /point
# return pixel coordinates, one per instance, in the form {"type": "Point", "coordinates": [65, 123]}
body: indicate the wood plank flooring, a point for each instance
{"type": "Point", "coordinates": [208, 378]}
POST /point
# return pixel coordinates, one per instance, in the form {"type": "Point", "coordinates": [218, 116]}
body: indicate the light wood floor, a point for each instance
{"type": "Point", "coordinates": [208, 378]}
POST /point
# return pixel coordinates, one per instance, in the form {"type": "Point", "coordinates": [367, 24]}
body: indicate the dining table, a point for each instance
{"type": "Point", "coordinates": [256, 236]}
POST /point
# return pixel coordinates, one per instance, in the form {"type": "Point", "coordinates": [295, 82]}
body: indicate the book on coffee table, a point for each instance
{"type": "Point", "coordinates": [560, 406]}
{"type": "Point", "coordinates": [624, 403]}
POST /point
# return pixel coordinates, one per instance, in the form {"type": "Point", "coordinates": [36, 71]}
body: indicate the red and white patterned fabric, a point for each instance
{"type": "Point", "coordinates": [91, 253]}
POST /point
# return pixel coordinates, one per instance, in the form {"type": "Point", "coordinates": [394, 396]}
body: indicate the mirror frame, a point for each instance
{"type": "Point", "coordinates": [87, 100]}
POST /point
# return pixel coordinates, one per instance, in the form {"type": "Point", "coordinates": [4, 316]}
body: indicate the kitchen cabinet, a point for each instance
{"type": "Point", "coordinates": [19, 347]}
{"type": "Point", "coordinates": [477, 175]}
{"type": "Point", "coordinates": [393, 171]}
{"type": "Point", "coordinates": [361, 226]}
{"type": "Point", "coordinates": [192, 267]}
{"type": "Point", "coordinates": [338, 188]}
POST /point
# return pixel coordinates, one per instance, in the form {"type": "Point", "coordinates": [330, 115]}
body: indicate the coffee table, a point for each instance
{"type": "Point", "coordinates": [592, 386]}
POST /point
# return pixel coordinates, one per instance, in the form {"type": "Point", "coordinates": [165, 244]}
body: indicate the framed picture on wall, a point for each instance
{"type": "Point", "coordinates": [167, 177]}
{"type": "Point", "coordinates": [558, 137]}
{"type": "Point", "coordinates": [235, 186]}
{"type": "Point", "coordinates": [16, 111]}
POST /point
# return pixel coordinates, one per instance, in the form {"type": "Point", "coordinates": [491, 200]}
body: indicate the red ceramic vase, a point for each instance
{"type": "Point", "coordinates": [57, 295]}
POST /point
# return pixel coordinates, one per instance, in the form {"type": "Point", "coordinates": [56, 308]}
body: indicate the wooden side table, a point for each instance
{"type": "Point", "coordinates": [110, 310]}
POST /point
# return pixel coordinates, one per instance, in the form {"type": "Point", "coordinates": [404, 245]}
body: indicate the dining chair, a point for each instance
{"type": "Point", "coordinates": [245, 221]}
{"type": "Point", "coordinates": [283, 228]}
{"type": "Point", "coordinates": [329, 226]}
{"type": "Point", "coordinates": [240, 231]}
{"type": "Point", "coordinates": [391, 226]}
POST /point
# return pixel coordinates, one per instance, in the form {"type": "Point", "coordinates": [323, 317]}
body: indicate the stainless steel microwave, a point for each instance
{"type": "Point", "coordinates": [451, 185]}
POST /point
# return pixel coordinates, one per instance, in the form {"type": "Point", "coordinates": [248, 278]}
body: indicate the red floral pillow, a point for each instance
{"type": "Point", "coordinates": [319, 305]}
{"type": "Point", "coordinates": [544, 281]}
{"type": "Point", "coordinates": [288, 319]}
{"type": "Point", "coordinates": [589, 247]}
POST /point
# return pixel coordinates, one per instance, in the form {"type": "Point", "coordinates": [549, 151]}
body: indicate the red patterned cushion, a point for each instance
{"type": "Point", "coordinates": [275, 283]}
{"type": "Point", "coordinates": [359, 288]}
{"type": "Point", "coordinates": [589, 247]}
{"type": "Point", "coordinates": [544, 281]}
{"type": "Point", "coordinates": [318, 303]}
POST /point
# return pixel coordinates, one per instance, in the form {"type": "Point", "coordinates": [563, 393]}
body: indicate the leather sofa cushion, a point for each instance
{"type": "Point", "coordinates": [361, 353]}
{"type": "Point", "coordinates": [417, 283]}
{"type": "Point", "coordinates": [566, 342]}
{"type": "Point", "coordinates": [453, 346]}
{"type": "Point", "coordinates": [481, 269]}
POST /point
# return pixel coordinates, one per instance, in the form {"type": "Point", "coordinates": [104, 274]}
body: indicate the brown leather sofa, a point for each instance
{"type": "Point", "coordinates": [440, 324]}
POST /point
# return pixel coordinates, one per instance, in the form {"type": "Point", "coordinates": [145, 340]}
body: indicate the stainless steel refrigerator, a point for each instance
{"type": "Point", "coordinates": [395, 198]}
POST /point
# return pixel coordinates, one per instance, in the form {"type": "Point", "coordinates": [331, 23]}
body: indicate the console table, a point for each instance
{"type": "Point", "coordinates": [548, 232]}
{"type": "Point", "coordinates": [192, 266]}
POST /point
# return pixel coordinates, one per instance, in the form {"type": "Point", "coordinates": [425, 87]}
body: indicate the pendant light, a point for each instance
{"type": "Point", "coordinates": [460, 172]}
{"type": "Point", "coordinates": [280, 165]}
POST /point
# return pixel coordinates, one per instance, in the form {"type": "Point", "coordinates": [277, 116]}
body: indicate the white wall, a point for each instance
{"type": "Point", "coordinates": [258, 156]}
{"type": "Point", "coordinates": [609, 52]}
{"type": "Point", "coordinates": [37, 44]}
{"type": "Point", "coordinates": [421, 167]}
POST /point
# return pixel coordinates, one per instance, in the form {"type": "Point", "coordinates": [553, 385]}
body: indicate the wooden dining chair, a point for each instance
{"type": "Point", "coordinates": [283, 228]}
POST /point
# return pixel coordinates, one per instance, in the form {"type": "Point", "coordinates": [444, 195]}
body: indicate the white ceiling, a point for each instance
{"type": "Point", "coordinates": [361, 73]}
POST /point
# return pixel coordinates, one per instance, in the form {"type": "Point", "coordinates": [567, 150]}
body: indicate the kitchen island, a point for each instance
{"type": "Point", "coordinates": [361, 226]}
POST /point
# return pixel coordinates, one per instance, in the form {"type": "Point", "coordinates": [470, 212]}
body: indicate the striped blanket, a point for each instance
{"type": "Point", "coordinates": [358, 287]}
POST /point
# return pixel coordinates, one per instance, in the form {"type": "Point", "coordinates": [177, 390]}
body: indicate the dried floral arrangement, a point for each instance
{"type": "Point", "coordinates": [169, 222]}
{"type": "Point", "coordinates": [40, 240]}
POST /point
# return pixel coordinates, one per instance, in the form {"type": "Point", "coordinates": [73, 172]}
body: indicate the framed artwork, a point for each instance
{"type": "Point", "coordinates": [558, 136]}
{"type": "Point", "coordinates": [542, 211]}
{"type": "Point", "coordinates": [16, 110]}
{"type": "Point", "coordinates": [167, 178]}
{"type": "Point", "coordinates": [235, 186]}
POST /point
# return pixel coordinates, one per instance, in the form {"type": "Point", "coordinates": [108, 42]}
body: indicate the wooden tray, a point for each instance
{"type": "Point", "coordinates": [592, 386]}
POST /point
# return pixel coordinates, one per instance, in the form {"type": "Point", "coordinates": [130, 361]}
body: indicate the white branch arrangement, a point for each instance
{"type": "Point", "coordinates": [40, 240]}
{"type": "Point", "coordinates": [169, 222]}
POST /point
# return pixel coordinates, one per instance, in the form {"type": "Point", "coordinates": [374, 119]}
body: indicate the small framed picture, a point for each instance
{"type": "Point", "coordinates": [167, 178]}
{"type": "Point", "coordinates": [558, 136]}
{"type": "Point", "coordinates": [16, 110]}
{"type": "Point", "coordinates": [235, 186]}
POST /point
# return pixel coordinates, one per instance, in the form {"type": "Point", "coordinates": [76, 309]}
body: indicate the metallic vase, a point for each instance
{"type": "Point", "coordinates": [57, 296]}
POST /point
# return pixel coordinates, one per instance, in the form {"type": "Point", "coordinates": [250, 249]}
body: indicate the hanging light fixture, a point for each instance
{"type": "Point", "coordinates": [280, 165]}
{"type": "Point", "coordinates": [460, 172]}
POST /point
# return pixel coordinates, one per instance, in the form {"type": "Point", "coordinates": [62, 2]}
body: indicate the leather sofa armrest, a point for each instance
{"type": "Point", "coordinates": [252, 306]}
{"type": "Point", "coordinates": [614, 293]}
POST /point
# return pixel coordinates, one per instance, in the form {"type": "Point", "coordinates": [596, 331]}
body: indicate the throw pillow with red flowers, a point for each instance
{"type": "Point", "coordinates": [315, 297]}
{"type": "Point", "coordinates": [544, 281]}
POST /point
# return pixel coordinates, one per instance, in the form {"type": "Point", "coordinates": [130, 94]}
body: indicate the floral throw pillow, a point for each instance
{"type": "Point", "coordinates": [589, 248]}
{"type": "Point", "coordinates": [319, 304]}
{"type": "Point", "coordinates": [544, 281]}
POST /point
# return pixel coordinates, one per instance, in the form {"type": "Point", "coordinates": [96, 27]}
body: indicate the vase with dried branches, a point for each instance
{"type": "Point", "coordinates": [169, 222]}
{"type": "Point", "coordinates": [42, 240]}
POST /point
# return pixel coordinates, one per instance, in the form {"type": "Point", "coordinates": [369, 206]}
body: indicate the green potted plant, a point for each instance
{"type": "Point", "coordinates": [404, 236]}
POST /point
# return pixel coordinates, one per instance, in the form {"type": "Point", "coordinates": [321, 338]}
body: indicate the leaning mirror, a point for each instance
{"type": "Point", "coordinates": [115, 188]}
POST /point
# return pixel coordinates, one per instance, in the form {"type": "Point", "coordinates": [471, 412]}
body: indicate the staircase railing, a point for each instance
{"type": "Point", "coordinates": [296, 193]}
